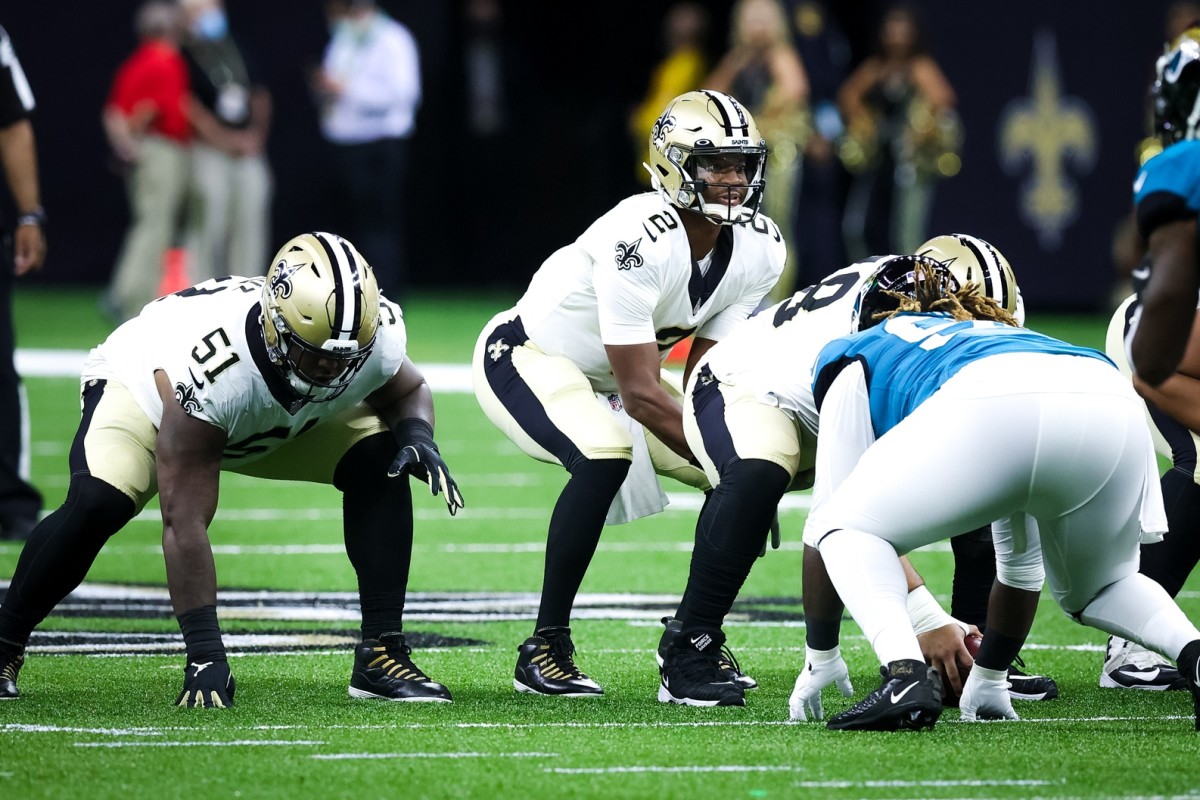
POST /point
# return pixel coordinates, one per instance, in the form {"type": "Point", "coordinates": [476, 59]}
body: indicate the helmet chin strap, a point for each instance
{"type": "Point", "coordinates": [721, 213]}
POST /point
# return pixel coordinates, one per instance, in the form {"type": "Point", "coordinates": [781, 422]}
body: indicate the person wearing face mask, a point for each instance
{"type": "Point", "coordinates": [368, 89]}
{"type": "Point", "coordinates": [231, 184]}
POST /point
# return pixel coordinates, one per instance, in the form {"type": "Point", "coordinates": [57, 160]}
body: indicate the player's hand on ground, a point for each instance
{"type": "Point", "coordinates": [985, 696]}
{"type": "Point", "coordinates": [944, 650]}
{"type": "Point", "coordinates": [423, 461]}
{"type": "Point", "coordinates": [821, 668]}
{"type": "Point", "coordinates": [208, 684]}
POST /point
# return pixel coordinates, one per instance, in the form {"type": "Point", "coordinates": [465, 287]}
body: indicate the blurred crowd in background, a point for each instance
{"type": "Point", "coordinates": [458, 142]}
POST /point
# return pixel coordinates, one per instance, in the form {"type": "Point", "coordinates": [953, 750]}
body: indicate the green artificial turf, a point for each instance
{"type": "Point", "coordinates": [102, 725]}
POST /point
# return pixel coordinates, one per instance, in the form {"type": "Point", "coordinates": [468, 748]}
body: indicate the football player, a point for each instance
{"type": "Point", "coordinates": [1150, 336]}
{"type": "Point", "coordinates": [301, 375]}
{"type": "Point", "coordinates": [573, 373]}
{"type": "Point", "coordinates": [930, 365]}
{"type": "Point", "coordinates": [1167, 204]}
{"type": "Point", "coordinates": [1171, 412]}
{"type": "Point", "coordinates": [750, 419]}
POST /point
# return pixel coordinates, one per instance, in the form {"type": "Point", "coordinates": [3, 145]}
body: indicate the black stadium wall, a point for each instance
{"type": "Point", "coordinates": [1052, 97]}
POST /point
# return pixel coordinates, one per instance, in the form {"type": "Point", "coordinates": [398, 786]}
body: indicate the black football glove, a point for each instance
{"type": "Point", "coordinates": [207, 684]}
{"type": "Point", "coordinates": [419, 457]}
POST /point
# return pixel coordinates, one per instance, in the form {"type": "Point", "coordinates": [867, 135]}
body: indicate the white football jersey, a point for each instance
{"type": "Point", "coordinates": [208, 341]}
{"type": "Point", "coordinates": [774, 351]}
{"type": "Point", "coordinates": [630, 279]}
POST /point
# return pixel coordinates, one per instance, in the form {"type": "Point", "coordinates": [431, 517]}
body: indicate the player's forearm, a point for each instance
{"type": "Point", "coordinates": [191, 571]}
{"type": "Point", "coordinates": [1159, 342]}
{"type": "Point", "coordinates": [1168, 302]}
{"type": "Point", "coordinates": [660, 414]}
{"type": "Point", "coordinates": [1178, 397]}
{"type": "Point", "coordinates": [408, 397]}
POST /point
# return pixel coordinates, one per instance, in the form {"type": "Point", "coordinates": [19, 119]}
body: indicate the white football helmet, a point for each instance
{"type": "Point", "coordinates": [320, 313]}
{"type": "Point", "coordinates": [702, 125]}
{"type": "Point", "coordinates": [972, 260]}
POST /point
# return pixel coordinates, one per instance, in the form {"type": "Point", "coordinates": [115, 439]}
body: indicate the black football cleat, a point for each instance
{"type": "Point", "coordinates": [1189, 667]}
{"type": "Point", "coordinates": [383, 670]}
{"type": "Point", "coordinates": [1023, 686]}
{"type": "Point", "coordinates": [729, 664]}
{"type": "Point", "coordinates": [691, 673]}
{"type": "Point", "coordinates": [909, 698]}
{"type": "Point", "coordinates": [10, 667]}
{"type": "Point", "coordinates": [546, 665]}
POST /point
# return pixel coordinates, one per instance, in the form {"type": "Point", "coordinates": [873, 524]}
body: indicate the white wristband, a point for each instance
{"type": "Point", "coordinates": [926, 615]}
{"type": "Point", "coordinates": [820, 657]}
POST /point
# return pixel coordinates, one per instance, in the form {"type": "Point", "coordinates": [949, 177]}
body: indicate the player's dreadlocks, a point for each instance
{"type": "Point", "coordinates": [932, 294]}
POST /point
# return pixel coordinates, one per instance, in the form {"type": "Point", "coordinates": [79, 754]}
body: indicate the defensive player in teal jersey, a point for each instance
{"type": "Point", "coordinates": [901, 401]}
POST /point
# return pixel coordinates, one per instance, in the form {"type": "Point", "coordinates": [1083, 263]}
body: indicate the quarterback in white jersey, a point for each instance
{"type": "Point", "coordinates": [301, 375]}
{"type": "Point", "coordinates": [573, 374]}
{"type": "Point", "coordinates": [629, 279]}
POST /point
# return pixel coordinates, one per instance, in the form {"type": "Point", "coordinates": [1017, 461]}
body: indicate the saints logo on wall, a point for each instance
{"type": "Point", "coordinates": [1051, 139]}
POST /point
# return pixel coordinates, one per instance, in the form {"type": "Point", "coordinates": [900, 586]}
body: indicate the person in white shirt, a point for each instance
{"type": "Point", "coordinates": [573, 373]}
{"type": "Point", "coordinates": [369, 88]}
{"type": "Point", "coordinates": [301, 375]}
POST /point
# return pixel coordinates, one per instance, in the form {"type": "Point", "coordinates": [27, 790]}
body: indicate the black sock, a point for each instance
{"type": "Point", "coordinates": [378, 530]}
{"type": "Point", "coordinates": [974, 571]}
{"type": "Point", "coordinates": [60, 552]}
{"type": "Point", "coordinates": [729, 536]}
{"type": "Point", "coordinates": [575, 528]}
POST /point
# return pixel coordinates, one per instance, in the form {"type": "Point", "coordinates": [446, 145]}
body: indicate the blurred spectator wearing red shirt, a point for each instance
{"type": "Point", "coordinates": [146, 121]}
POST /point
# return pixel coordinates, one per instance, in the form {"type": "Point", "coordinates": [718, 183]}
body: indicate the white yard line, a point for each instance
{"type": "Point", "coordinates": [923, 784]}
{"type": "Point", "coordinates": [38, 363]}
{"type": "Point", "coordinates": [236, 743]}
{"type": "Point", "coordinates": [657, 769]}
{"type": "Point", "coordinates": [16, 728]}
{"type": "Point", "coordinates": [365, 756]}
